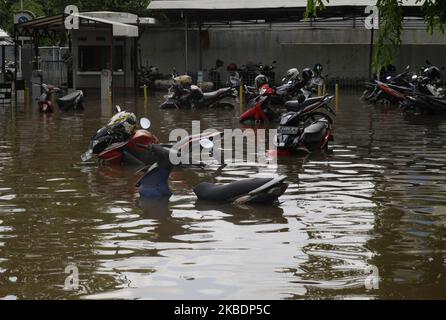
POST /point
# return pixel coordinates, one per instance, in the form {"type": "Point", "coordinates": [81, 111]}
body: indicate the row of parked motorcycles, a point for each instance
{"type": "Point", "coordinates": [304, 120]}
{"type": "Point", "coordinates": [416, 92]}
{"type": "Point", "coordinates": [305, 126]}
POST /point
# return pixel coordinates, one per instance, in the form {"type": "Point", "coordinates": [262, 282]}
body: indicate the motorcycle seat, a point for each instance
{"type": "Point", "coordinates": [297, 106]}
{"type": "Point", "coordinates": [215, 94]}
{"type": "Point", "coordinates": [226, 192]}
{"type": "Point", "coordinates": [70, 97]}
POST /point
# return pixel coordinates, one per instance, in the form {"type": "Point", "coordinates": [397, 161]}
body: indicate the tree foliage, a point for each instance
{"type": "Point", "coordinates": [391, 18]}
{"type": "Point", "coordinates": [313, 6]}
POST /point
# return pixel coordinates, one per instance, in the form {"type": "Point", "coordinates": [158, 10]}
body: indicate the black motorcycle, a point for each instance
{"type": "Point", "coordinates": [394, 89]}
{"type": "Point", "coordinates": [154, 184]}
{"type": "Point", "coordinates": [184, 96]}
{"type": "Point", "coordinates": [148, 75]}
{"type": "Point", "coordinates": [307, 127]}
{"type": "Point", "coordinates": [418, 103]}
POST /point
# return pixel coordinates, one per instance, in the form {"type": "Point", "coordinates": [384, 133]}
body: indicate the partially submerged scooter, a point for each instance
{"type": "Point", "coordinates": [120, 143]}
{"type": "Point", "coordinates": [154, 183]}
{"type": "Point", "coordinates": [71, 101]}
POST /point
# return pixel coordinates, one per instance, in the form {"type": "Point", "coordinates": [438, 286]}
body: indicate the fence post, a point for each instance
{"type": "Point", "coordinates": [337, 95]}
{"type": "Point", "coordinates": [242, 98]}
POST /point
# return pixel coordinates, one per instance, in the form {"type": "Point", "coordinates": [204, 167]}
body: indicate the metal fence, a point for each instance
{"type": "Point", "coordinates": [54, 72]}
{"type": "Point", "coordinates": [53, 66]}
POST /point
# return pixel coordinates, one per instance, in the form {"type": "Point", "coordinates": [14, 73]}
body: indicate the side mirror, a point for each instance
{"type": "Point", "coordinates": [206, 144]}
{"type": "Point", "coordinates": [145, 123]}
{"type": "Point", "coordinates": [407, 68]}
{"type": "Point", "coordinates": [274, 62]}
{"type": "Point", "coordinates": [117, 109]}
{"type": "Point", "coordinates": [428, 62]}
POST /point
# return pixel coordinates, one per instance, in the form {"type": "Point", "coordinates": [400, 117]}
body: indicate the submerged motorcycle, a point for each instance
{"type": "Point", "coordinates": [424, 104]}
{"type": "Point", "coordinates": [184, 95]}
{"type": "Point", "coordinates": [71, 101]}
{"type": "Point", "coordinates": [307, 127]}
{"type": "Point", "coordinates": [154, 183]}
{"type": "Point", "coordinates": [120, 143]}
{"type": "Point", "coordinates": [393, 90]}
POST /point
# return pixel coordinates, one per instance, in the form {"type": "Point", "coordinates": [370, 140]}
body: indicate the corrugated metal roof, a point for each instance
{"type": "Point", "coordinates": [3, 34]}
{"type": "Point", "coordinates": [253, 4]}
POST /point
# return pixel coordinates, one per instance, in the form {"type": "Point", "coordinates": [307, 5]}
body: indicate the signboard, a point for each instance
{"type": "Point", "coordinates": [23, 16]}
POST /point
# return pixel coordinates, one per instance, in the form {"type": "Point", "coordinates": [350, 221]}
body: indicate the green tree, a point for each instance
{"type": "Point", "coordinates": [391, 17]}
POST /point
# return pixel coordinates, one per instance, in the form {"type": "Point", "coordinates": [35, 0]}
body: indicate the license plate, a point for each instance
{"type": "Point", "coordinates": [288, 130]}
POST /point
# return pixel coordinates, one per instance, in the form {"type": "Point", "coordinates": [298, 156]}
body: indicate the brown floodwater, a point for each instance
{"type": "Point", "coordinates": [377, 200]}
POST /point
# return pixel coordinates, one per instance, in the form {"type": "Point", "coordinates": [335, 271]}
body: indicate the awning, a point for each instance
{"type": "Point", "coordinates": [123, 24]}
{"type": "Point", "coordinates": [5, 39]}
{"type": "Point", "coordinates": [268, 10]}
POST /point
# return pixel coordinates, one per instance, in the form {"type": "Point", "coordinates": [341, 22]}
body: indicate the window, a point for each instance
{"type": "Point", "coordinates": [97, 58]}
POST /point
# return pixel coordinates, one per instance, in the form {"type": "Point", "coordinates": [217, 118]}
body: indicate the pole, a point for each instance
{"type": "Point", "coordinates": [135, 64]}
{"type": "Point", "coordinates": [186, 67]}
{"type": "Point", "coordinates": [111, 69]}
{"type": "Point", "coordinates": [337, 96]}
{"type": "Point", "coordinates": [145, 94]}
{"type": "Point", "coordinates": [200, 52]}
{"type": "Point", "coordinates": [3, 61]}
{"type": "Point", "coordinates": [372, 36]}
{"type": "Point", "coordinates": [242, 98]}
{"type": "Point", "coordinates": [15, 63]}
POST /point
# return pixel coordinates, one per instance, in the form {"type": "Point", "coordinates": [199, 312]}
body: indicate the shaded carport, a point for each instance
{"type": "Point", "coordinates": [5, 41]}
{"type": "Point", "coordinates": [55, 25]}
{"type": "Point", "coordinates": [200, 13]}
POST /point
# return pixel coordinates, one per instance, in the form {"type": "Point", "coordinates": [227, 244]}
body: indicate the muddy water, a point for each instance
{"type": "Point", "coordinates": [376, 202]}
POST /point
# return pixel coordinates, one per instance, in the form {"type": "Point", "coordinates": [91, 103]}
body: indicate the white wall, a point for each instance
{"type": "Point", "coordinates": [344, 52]}
{"type": "Point", "coordinates": [94, 80]}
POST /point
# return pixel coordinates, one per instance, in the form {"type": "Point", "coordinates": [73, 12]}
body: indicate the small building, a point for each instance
{"type": "Point", "coordinates": [100, 40]}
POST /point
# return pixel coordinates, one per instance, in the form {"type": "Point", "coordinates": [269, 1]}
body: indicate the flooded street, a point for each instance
{"type": "Point", "coordinates": [378, 200]}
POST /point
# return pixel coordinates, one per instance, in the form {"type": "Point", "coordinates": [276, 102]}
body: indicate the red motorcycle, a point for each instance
{"type": "Point", "coordinates": [261, 111]}
{"type": "Point", "coordinates": [120, 143]}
